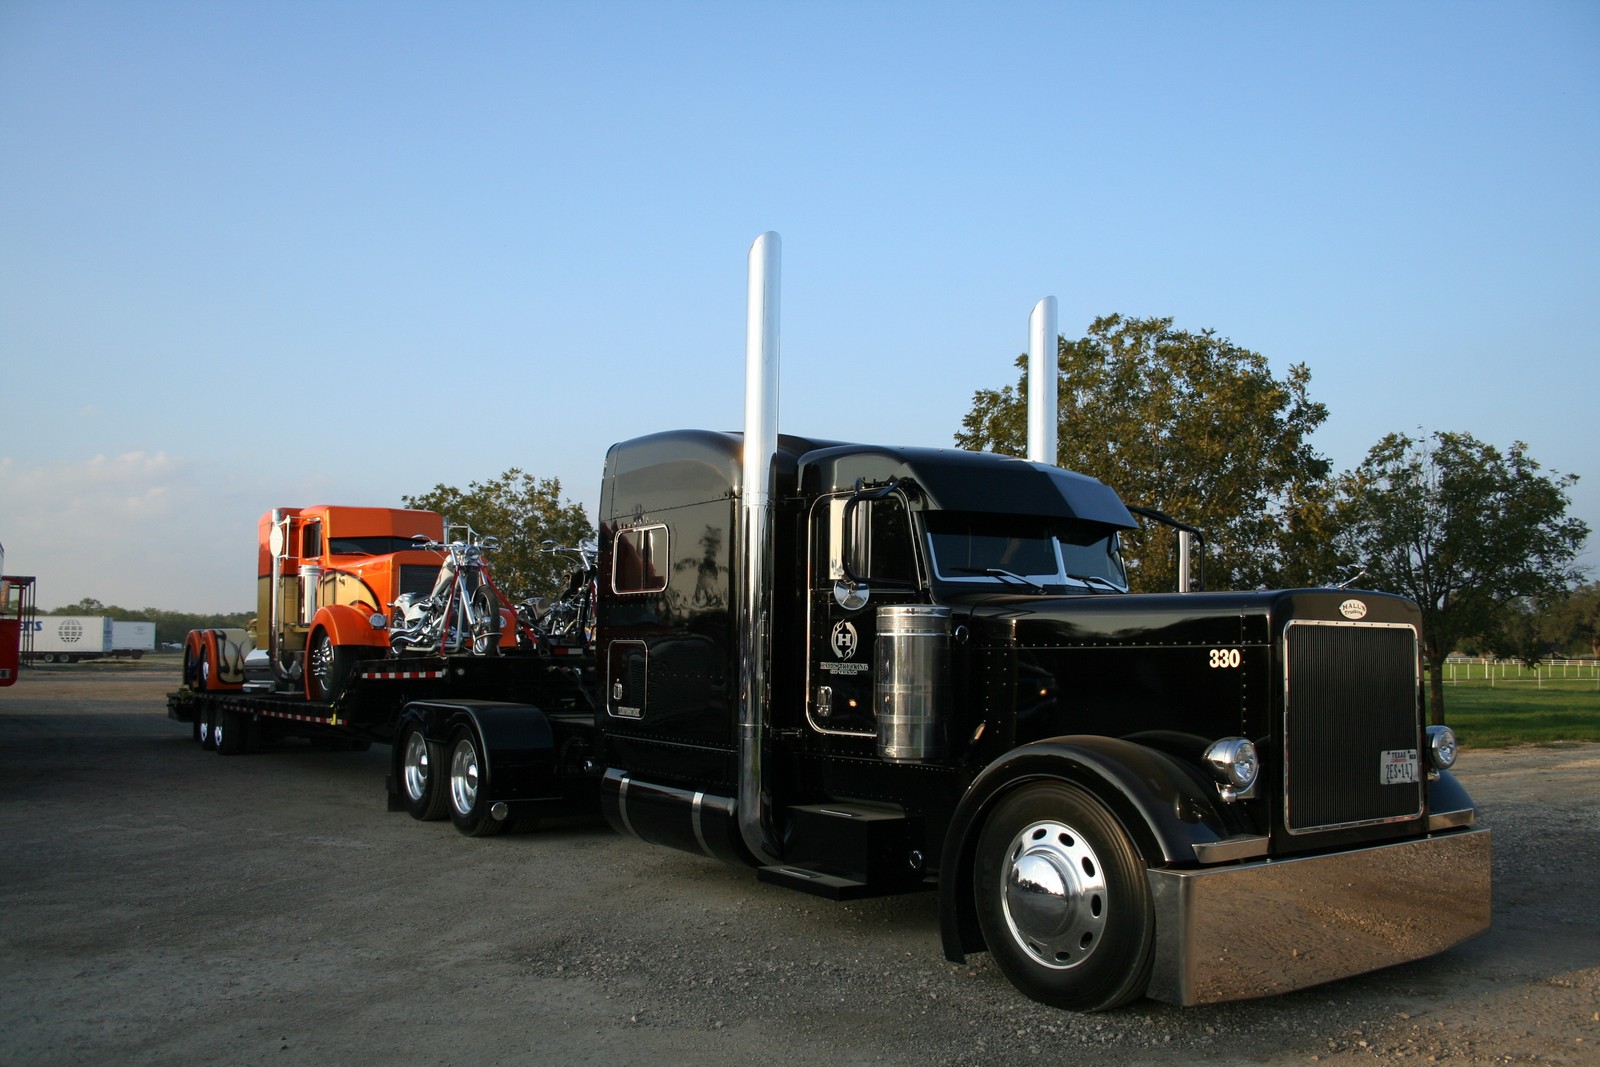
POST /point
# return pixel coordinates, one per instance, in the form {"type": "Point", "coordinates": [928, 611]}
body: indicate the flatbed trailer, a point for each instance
{"type": "Point", "coordinates": [521, 728]}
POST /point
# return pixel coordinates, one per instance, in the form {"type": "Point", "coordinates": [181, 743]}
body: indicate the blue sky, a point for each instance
{"type": "Point", "coordinates": [258, 254]}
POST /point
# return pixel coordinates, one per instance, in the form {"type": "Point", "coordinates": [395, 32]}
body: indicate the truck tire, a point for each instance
{"type": "Point", "coordinates": [202, 672]}
{"type": "Point", "coordinates": [207, 718]}
{"type": "Point", "coordinates": [422, 774]}
{"type": "Point", "coordinates": [230, 733]}
{"type": "Point", "coordinates": [328, 667]}
{"type": "Point", "coordinates": [469, 787]}
{"type": "Point", "coordinates": [1063, 901]}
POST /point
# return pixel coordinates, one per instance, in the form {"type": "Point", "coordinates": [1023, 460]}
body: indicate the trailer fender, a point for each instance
{"type": "Point", "coordinates": [1166, 808]}
{"type": "Point", "coordinates": [516, 744]}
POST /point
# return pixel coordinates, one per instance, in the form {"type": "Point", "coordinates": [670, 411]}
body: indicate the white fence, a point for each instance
{"type": "Point", "coordinates": [1509, 671]}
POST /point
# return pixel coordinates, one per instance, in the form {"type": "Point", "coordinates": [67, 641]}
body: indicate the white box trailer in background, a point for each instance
{"type": "Point", "coordinates": [69, 638]}
{"type": "Point", "coordinates": [132, 639]}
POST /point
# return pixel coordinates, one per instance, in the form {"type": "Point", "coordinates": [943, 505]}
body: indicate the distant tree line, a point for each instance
{"type": "Point", "coordinates": [171, 626]}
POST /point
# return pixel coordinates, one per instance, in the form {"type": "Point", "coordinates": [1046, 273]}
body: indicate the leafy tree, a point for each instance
{"type": "Point", "coordinates": [1523, 632]}
{"type": "Point", "coordinates": [1464, 530]}
{"type": "Point", "coordinates": [523, 512]}
{"type": "Point", "coordinates": [1192, 425]}
{"type": "Point", "coordinates": [1574, 622]}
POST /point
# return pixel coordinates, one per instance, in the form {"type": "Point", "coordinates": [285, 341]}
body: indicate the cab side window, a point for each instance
{"type": "Point", "coordinates": [639, 564]}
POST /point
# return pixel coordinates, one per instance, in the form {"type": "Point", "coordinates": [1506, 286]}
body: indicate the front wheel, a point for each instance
{"type": "Point", "coordinates": [469, 787]}
{"type": "Point", "coordinates": [1063, 901]}
{"type": "Point", "coordinates": [329, 667]}
{"type": "Point", "coordinates": [422, 773]}
{"type": "Point", "coordinates": [486, 621]}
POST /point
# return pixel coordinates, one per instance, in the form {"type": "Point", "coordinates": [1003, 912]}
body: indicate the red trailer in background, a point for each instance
{"type": "Point", "coordinates": [16, 600]}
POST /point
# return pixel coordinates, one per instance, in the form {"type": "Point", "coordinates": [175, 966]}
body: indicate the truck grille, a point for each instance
{"type": "Point", "coordinates": [1350, 705]}
{"type": "Point", "coordinates": [418, 578]}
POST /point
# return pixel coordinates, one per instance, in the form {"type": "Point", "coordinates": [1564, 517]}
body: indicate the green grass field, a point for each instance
{"type": "Point", "coordinates": [1516, 706]}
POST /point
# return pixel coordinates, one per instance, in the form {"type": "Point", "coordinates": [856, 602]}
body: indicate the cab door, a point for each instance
{"type": "Point", "coordinates": [863, 556]}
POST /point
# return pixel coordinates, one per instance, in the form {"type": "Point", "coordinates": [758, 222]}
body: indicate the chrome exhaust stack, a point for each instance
{"type": "Point", "coordinates": [754, 602]}
{"type": "Point", "coordinates": [1042, 374]}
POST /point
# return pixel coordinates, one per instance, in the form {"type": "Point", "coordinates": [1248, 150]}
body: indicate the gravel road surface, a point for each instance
{"type": "Point", "coordinates": [164, 904]}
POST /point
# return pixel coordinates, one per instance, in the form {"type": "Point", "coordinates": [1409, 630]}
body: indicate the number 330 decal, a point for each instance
{"type": "Point", "coordinates": [1225, 657]}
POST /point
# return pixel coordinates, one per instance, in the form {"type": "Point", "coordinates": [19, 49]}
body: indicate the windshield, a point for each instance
{"type": "Point", "coordinates": [370, 546]}
{"type": "Point", "coordinates": [1050, 555]}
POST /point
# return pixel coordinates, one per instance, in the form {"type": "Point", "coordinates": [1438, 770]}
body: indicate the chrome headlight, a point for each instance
{"type": "Point", "coordinates": [1235, 765]}
{"type": "Point", "coordinates": [1442, 747]}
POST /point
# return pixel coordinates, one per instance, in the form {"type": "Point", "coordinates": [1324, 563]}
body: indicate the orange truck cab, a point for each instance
{"type": "Point", "coordinates": [326, 576]}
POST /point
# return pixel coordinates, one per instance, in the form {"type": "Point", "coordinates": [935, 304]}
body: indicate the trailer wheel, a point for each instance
{"type": "Point", "coordinates": [230, 733]}
{"type": "Point", "coordinates": [469, 787]}
{"type": "Point", "coordinates": [208, 727]}
{"type": "Point", "coordinates": [1063, 901]}
{"type": "Point", "coordinates": [330, 665]}
{"type": "Point", "coordinates": [422, 775]}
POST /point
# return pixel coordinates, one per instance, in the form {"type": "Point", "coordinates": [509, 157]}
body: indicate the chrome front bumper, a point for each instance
{"type": "Point", "coordinates": [1251, 930]}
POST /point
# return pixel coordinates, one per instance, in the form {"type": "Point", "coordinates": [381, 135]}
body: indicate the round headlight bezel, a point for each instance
{"type": "Point", "coordinates": [1236, 765]}
{"type": "Point", "coordinates": [1443, 748]}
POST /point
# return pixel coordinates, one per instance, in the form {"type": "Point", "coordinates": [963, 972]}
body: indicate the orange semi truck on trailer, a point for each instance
{"type": "Point", "coordinates": [326, 578]}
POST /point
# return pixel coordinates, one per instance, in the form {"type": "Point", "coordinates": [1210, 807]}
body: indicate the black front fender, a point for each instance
{"type": "Point", "coordinates": [1166, 807]}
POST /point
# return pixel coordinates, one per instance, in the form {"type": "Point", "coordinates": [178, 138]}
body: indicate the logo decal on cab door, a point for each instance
{"type": "Point", "coordinates": [844, 640]}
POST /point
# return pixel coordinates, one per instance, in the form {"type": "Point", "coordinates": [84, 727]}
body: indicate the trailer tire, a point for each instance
{"type": "Point", "coordinates": [469, 787]}
{"type": "Point", "coordinates": [230, 733]}
{"type": "Point", "coordinates": [1063, 901]}
{"type": "Point", "coordinates": [207, 718]}
{"type": "Point", "coordinates": [423, 775]}
{"type": "Point", "coordinates": [328, 667]}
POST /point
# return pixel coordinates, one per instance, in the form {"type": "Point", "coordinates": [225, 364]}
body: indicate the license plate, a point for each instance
{"type": "Point", "coordinates": [1399, 766]}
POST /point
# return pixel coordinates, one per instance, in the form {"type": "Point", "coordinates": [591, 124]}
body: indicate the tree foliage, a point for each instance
{"type": "Point", "coordinates": [1192, 425]}
{"type": "Point", "coordinates": [1468, 532]}
{"type": "Point", "coordinates": [522, 511]}
{"type": "Point", "coordinates": [1574, 622]}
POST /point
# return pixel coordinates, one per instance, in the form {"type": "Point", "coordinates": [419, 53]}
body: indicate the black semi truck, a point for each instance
{"type": "Point", "coordinates": [866, 670]}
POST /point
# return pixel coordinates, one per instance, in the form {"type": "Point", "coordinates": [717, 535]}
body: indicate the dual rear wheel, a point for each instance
{"type": "Point", "coordinates": [447, 778]}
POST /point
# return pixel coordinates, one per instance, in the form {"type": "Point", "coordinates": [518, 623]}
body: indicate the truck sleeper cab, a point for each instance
{"type": "Point", "coordinates": [1200, 797]}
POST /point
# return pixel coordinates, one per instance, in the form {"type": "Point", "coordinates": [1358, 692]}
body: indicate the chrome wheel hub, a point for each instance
{"type": "Point", "coordinates": [464, 777]}
{"type": "Point", "coordinates": [322, 661]}
{"type": "Point", "coordinates": [416, 767]}
{"type": "Point", "coordinates": [1054, 894]}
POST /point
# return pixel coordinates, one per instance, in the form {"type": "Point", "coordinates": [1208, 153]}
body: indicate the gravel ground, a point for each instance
{"type": "Point", "coordinates": [162, 904]}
